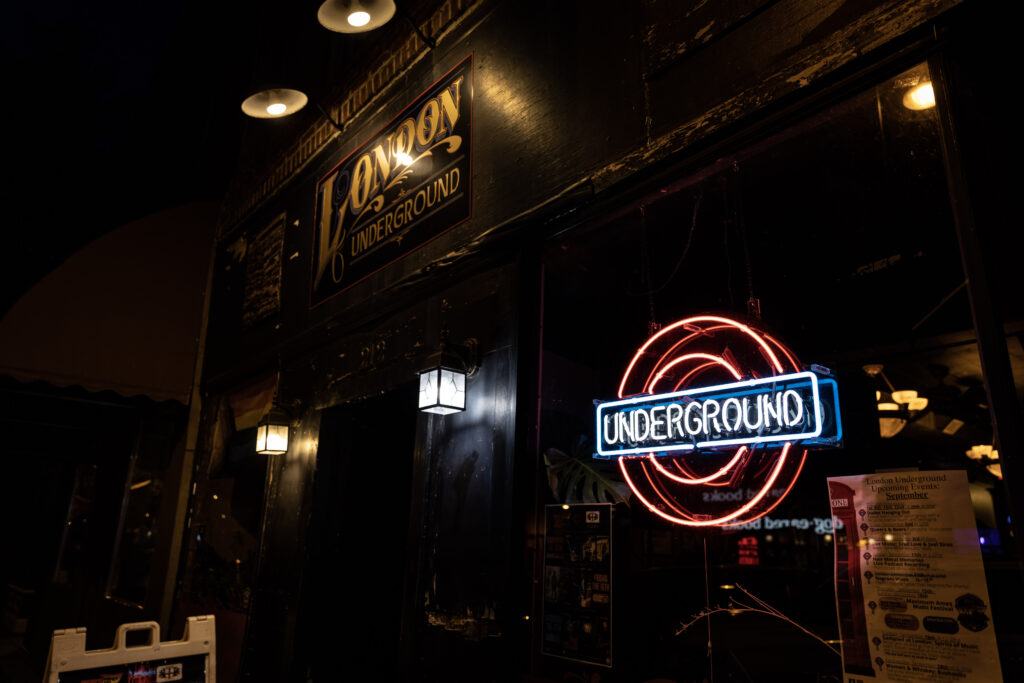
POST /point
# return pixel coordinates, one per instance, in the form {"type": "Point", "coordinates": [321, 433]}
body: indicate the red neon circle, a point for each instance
{"type": "Point", "coordinates": [731, 350]}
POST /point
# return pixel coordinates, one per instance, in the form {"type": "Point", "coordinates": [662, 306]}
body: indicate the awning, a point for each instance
{"type": "Point", "coordinates": [124, 313]}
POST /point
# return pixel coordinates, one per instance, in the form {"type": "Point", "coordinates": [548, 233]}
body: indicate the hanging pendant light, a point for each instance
{"type": "Point", "coordinates": [355, 16]}
{"type": "Point", "coordinates": [274, 103]}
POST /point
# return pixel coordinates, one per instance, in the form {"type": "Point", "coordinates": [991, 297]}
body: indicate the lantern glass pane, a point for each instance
{"type": "Point", "coordinates": [277, 439]}
{"type": "Point", "coordinates": [261, 439]}
{"type": "Point", "coordinates": [429, 388]}
{"type": "Point", "coordinates": [453, 389]}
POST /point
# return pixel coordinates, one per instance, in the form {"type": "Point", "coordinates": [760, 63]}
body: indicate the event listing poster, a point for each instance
{"type": "Point", "coordinates": [578, 582]}
{"type": "Point", "coordinates": [911, 595]}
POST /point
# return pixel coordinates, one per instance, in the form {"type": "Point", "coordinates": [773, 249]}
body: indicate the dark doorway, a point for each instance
{"type": "Point", "coordinates": [352, 600]}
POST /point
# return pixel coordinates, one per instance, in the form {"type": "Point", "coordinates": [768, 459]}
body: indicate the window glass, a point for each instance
{"type": "Point", "coordinates": [838, 230]}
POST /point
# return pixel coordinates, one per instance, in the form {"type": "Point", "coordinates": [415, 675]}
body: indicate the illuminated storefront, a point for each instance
{"type": "Point", "coordinates": [667, 319]}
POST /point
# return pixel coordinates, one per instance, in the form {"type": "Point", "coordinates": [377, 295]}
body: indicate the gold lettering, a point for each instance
{"type": "Point", "coordinates": [362, 177]}
{"type": "Point", "coordinates": [327, 192]}
{"type": "Point", "coordinates": [451, 98]}
{"type": "Point", "coordinates": [427, 123]}
{"type": "Point", "coordinates": [381, 168]}
{"type": "Point", "coordinates": [405, 136]}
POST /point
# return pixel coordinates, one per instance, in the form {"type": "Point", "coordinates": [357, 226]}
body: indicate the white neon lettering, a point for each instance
{"type": "Point", "coordinates": [738, 422]}
{"type": "Point", "coordinates": [770, 410]}
{"type": "Point", "coordinates": [657, 421]}
{"type": "Point", "coordinates": [797, 403]}
{"type": "Point", "coordinates": [774, 412]}
{"type": "Point", "coordinates": [746, 412]}
{"type": "Point", "coordinates": [678, 410]}
{"type": "Point", "coordinates": [666, 423]}
{"type": "Point", "coordinates": [712, 416]}
{"type": "Point", "coordinates": [615, 423]}
{"type": "Point", "coordinates": [625, 430]}
{"type": "Point", "coordinates": [635, 418]}
{"type": "Point", "coordinates": [695, 426]}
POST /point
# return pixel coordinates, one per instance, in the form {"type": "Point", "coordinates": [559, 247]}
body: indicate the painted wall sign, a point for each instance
{"type": "Point", "coordinates": [400, 189]}
{"type": "Point", "coordinates": [714, 420]}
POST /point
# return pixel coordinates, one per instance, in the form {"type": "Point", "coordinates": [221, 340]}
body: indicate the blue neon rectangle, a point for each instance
{"type": "Point", "coordinates": [718, 391]}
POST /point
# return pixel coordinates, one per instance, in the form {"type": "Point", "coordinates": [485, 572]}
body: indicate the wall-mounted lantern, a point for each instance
{"type": "Point", "coordinates": [272, 432]}
{"type": "Point", "coordinates": [443, 382]}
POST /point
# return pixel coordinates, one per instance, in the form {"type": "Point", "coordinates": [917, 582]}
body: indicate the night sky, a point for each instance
{"type": "Point", "coordinates": [116, 110]}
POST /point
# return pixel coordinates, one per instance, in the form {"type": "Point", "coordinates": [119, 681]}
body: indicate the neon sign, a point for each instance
{"type": "Point", "coordinates": [783, 408]}
{"type": "Point", "coordinates": [710, 403]}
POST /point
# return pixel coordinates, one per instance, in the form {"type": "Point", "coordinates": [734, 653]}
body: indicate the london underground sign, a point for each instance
{"type": "Point", "coordinates": [714, 410]}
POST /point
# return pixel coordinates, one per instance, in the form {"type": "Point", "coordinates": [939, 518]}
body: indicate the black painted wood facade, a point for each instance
{"type": "Point", "coordinates": [578, 109]}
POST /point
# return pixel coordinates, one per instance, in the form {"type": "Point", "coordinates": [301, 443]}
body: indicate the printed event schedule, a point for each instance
{"type": "Point", "coordinates": [911, 594]}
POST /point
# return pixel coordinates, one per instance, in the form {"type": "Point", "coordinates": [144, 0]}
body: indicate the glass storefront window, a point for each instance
{"type": "Point", "coordinates": [839, 231]}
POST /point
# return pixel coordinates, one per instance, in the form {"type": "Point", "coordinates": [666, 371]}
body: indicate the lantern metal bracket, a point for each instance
{"type": "Point", "coordinates": [427, 40]}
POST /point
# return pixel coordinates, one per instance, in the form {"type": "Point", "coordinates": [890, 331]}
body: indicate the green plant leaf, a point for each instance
{"type": "Point", "coordinates": [575, 480]}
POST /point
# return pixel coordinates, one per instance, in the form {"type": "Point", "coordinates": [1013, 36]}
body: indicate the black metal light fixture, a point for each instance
{"type": "Point", "coordinates": [274, 103]}
{"type": "Point", "coordinates": [443, 383]}
{"type": "Point", "coordinates": [272, 432]}
{"type": "Point", "coordinates": [359, 16]}
{"type": "Point", "coordinates": [355, 16]}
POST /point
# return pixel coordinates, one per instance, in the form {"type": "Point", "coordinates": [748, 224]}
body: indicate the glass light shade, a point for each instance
{"type": "Point", "coordinates": [885, 407]}
{"type": "Point", "coordinates": [889, 427]}
{"type": "Point", "coordinates": [982, 451]}
{"type": "Point", "coordinates": [918, 404]}
{"type": "Point", "coordinates": [271, 438]}
{"type": "Point", "coordinates": [996, 469]}
{"type": "Point", "coordinates": [442, 391]}
{"type": "Point", "coordinates": [345, 16]}
{"type": "Point", "coordinates": [905, 396]}
{"type": "Point", "coordinates": [920, 97]}
{"type": "Point", "coordinates": [267, 104]}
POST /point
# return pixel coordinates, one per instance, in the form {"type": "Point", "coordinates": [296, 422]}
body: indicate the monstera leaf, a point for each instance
{"type": "Point", "coordinates": [578, 478]}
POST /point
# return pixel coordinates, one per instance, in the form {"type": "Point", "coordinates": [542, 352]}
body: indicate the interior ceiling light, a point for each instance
{"type": "Point", "coordinates": [358, 19]}
{"type": "Point", "coordinates": [273, 103]}
{"type": "Point", "coordinates": [920, 97]}
{"type": "Point", "coordinates": [983, 451]}
{"type": "Point", "coordinates": [355, 16]}
{"type": "Point", "coordinates": [917, 403]}
{"type": "Point", "coordinates": [905, 396]}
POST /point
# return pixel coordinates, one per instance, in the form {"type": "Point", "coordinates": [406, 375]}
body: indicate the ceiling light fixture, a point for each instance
{"type": "Point", "coordinates": [359, 16]}
{"type": "Point", "coordinates": [355, 16]}
{"type": "Point", "coordinates": [983, 452]}
{"type": "Point", "coordinates": [904, 404]}
{"type": "Point", "coordinates": [358, 19]}
{"type": "Point", "coordinates": [273, 103]}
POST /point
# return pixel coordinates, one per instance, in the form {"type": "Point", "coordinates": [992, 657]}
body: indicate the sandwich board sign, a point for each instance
{"type": "Point", "coordinates": [189, 660]}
